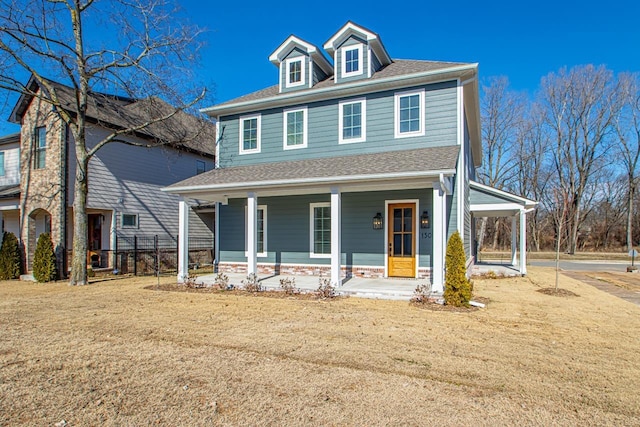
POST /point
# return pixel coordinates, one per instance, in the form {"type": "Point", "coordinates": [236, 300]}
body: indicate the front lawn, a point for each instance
{"type": "Point", "coordinates": [114, 353]}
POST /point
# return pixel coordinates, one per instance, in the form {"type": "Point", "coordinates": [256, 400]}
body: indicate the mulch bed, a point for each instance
{"type": "Point", "coordinates": [171, 287]}
{"type": "Point", "coordinates": [450, 308]}
{"type": "Point", "coordinates": [557, 292]}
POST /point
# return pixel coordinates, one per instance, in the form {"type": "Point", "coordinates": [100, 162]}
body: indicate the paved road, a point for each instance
{"type": "Point", "coordinates": [600, 265]}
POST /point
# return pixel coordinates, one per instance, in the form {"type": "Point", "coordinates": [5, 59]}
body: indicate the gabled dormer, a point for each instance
{"type": "Point", "coordinates": [301, 64]}
{"type": "Point", "coordinates": [357, 53]}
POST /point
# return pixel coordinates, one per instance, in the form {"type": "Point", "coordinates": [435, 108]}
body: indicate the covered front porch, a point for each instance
{"type": "Point", "coordinates": [375, 215]}
{"type": "Point", "coordinates": [489, 202]}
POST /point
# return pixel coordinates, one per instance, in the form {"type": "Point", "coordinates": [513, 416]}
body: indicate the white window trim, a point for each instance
{"type": "Point", "coordinates": [312, 206]}
{"type": "Point", "coordinates": [264, 223]}
{"type": "Point", "coordinates": [305, 132]}
{"type": "Point", "coordinates": [397, 97]}
{"type": "Point", "coordinates": [129, 226]}
{"type": "Point", "coordinates": [303, 73]}
{"type": "Point", "coordinates": [363, 121]}
{"type": "Point", "coordinates": [343, 56]}
{"type": "Point", "coordinates": [241, 134]}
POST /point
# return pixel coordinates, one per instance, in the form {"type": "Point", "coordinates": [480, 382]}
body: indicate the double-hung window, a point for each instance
{"type": "Point", "coordinates": [352, 61]}
{"type": "Point", "coordinates": [261, 231]}
{"type": "Point", "coordinates": [320, 227]}
{"type": "Point", "coordinates": [295, 71]}
{"type": "Point", "coordinates": [1, 163]}
{"type": "Point", "coordinates": [39, 161]}
{"type": "Point", "coordinates": [409, 114]}
{"type": "Point", "coordinates": [352, 121]}
{"type": "Point", "coordinates": [250, 134]}
{"type": "Point", "coordinates": [295, 128]}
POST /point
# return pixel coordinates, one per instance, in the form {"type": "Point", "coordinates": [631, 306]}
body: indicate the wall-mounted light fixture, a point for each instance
{"type": "Point", "coordinates": [424, 220]}
{"type": "Point", "coordinates": [377, 221]}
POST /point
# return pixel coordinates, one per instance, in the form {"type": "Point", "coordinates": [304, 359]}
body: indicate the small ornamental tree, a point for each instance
{"type": "Point", "coordinates": [44, 260]}
{"type": "Point", "coordinates": [10, 258]}
{"type": "Point", "coordinates": [457, 288]}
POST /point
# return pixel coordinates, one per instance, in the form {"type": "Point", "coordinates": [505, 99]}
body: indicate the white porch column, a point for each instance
{"type": "Point", "coordinates": [439, 237]}
{"type": "Point", "coordinates": [216, 237]}
{"type": "Point", "coordinates": [252, 233]}
{"type": "Point", "coordinates": [514, 240]}
{"type": "Point", "coordinates": [523, 242]}
{"type": "Point", "coordinates": [183, 241]}
{"type": "Point", "coordinates": [336, 238]}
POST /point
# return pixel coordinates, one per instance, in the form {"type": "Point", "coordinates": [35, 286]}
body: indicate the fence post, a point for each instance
{"type": "Point", "coordinates": [177, 249]}
{"type": "Point", "coordinates": [115, 254]}
{"type": "Point", "coordinates": [135, 255]}
{"type": "Point", "coordinates": [155, 245]}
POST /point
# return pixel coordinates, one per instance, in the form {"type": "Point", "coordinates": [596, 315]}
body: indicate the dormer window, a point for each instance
{"type": "Point", "coordinates": [351, 61]}
{"type": "Point", "coordinates": [295, 69]}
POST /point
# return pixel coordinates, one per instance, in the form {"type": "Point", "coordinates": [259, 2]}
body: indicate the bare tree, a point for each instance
{"type": "Point", "coordinates": [532, 168]}
{"type": "Point", "coordinates": [581, 106]}
{"type": "Point", "coordinates": [628, 130]}
{"type": "Point", "coordinates": [135, 48]}
{"type": "Point", "coordinates": [501, 112]}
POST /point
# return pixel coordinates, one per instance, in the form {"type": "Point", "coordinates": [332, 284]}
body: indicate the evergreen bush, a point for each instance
{"type": "Point", "coordinates": [457, 288]}
{"type": "Point", "coordinates": [44, 260]}
{"type": "Point", "coordinates": [10, 258]}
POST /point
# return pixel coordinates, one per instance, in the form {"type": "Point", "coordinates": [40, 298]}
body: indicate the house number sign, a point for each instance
{"type": "Point", "coordinates": [425, 235]}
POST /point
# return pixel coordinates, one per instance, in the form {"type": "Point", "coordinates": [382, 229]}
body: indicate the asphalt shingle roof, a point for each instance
{"type": "Point", "coordinates": [399, 67]}
{"type": "Point", "coordinates": [345, 167]}
{"type": "Point", "coordinates": [181, 129]}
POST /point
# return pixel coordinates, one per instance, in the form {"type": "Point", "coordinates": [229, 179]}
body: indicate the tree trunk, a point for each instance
{"type": "Point", "coordinates": [632, 190]}
{"type": "Point", "coordinates": [496, 233]}
{"type": "Point", "coordinates": [481, 233]}
{"type": "Point", "coordinates": [573, 232]}
{"type": "Point", "coordinates": [80, 232]}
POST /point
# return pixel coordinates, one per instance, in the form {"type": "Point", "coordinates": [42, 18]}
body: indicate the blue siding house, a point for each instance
{"type": "Point", "coordinates": [357, 165]}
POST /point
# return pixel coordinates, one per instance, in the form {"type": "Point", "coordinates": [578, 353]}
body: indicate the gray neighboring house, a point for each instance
{"type": "Point", "coordinates": [125, 176]}
{"type": "Point", "coordinates": [10, 183]}
{"type": "Point", "coordinates": [358, 165]}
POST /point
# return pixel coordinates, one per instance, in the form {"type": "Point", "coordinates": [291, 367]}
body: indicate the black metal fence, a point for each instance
{"type": "Point", "coordinates": [151, 255]}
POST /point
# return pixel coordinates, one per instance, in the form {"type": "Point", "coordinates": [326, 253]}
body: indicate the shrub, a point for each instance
{"type": "Point", "coordinates": [288, 285]}
{"type": "Point", "coordinates": [44, 260]}
{"type": "Point", "coordinates": [325, 289]}
{"type": "Point", "coordinates": [457, 288]}
{"type": "Point", "coordinates": [10, 257]}
{"type": "Point", "coordinates": [251, 283]}
{"type": "Point", "coordinates": [221, 282]}
{"type": "Point", "coordinates": [422, 294]}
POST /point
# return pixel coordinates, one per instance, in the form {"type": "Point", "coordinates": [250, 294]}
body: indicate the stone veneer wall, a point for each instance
{"type": "Point", "coordinates": [43, 190]}
{"type": "Point", "coordinates": [313, 270]}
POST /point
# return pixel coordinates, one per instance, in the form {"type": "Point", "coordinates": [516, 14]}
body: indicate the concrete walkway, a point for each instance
{"type": "Point", "coordinates": [625, 294]}
{"type": "Point", "coordinates": [498, 267]}
{"type": "Point", "coordinates": [391, 288]}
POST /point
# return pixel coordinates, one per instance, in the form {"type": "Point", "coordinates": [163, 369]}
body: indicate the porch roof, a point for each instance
{"type": "Point", "coordinates": [487, 201]}
{"type": "Point", "coordinates": [377, 170]}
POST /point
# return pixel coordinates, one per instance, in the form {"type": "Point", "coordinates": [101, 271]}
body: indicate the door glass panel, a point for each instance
{"type": "Point", "coordinates": [408, 245]}
{"type": "Point", "coordinates": [407, 219]}
{"type": "Point", "coordinates": [397, 244]}
{"type": "Point", "coordinates": [397, 220]}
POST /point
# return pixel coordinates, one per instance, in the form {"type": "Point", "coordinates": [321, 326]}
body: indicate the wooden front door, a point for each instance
{"type": "Point", "coordinates": [402, 240]}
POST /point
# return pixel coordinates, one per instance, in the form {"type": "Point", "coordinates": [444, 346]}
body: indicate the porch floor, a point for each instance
{"type": "Point", "coordinates": [500, 268]}
{"type": "Point", "coordinates": [377, 288]}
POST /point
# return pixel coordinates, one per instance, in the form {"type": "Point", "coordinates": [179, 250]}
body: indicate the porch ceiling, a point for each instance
{"type": "Point", "coordinates": [416, 168]}
{"type": "Point", "coordinates": [490, 202]}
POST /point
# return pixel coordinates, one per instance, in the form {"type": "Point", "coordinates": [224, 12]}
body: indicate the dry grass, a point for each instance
{"type": "Point", "coordinates": [113, 353]}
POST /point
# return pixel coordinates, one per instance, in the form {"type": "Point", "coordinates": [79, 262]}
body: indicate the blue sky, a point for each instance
{"type": "Point", "coordinates": [521, 40]}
